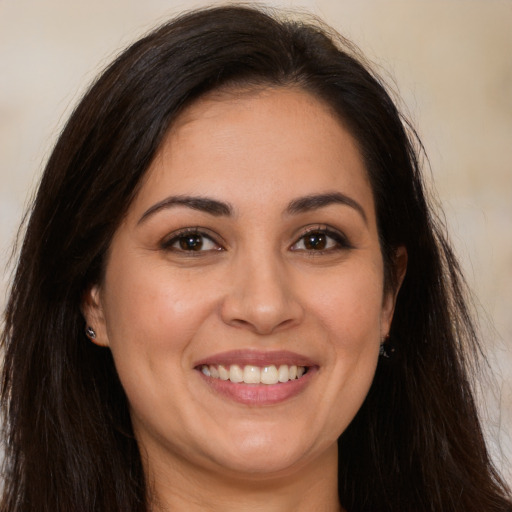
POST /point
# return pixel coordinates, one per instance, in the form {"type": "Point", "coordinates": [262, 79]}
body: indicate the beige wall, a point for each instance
{"type": "Point", "coordinates": [451, 60]}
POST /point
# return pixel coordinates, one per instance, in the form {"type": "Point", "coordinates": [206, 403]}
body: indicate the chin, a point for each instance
{"type": "Point", "coordinates": [261, 456]}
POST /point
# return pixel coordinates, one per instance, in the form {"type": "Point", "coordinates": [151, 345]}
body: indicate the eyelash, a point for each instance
{"type": "Point", "coordinates": [181, 235]}
{"type": "Point", "coordinates": [340, 241]}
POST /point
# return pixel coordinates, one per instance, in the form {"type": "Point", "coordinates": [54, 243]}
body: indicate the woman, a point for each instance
{"type": "Point", "coordinates": [232, 293]}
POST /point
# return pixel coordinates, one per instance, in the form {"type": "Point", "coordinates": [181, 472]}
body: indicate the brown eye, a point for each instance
{"type": "Point", "coordinates": [321, 240]}
{"type": "Point", "coordinates": [190, 242]}
{"type": "Point", "coordinates": [316, 241]}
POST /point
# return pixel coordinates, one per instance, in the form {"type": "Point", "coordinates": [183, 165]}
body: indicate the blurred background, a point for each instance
{"type": "Point", "coordinates": [450, 61]}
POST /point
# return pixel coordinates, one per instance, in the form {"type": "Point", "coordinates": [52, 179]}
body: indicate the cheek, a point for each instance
{"type": "Point", "coordinates": [149, 304]}
{"type": "Point", "coordinates": [349, 304]}
{"type": "Point", "coordinates": [348, 311]}
{"type": "Point", "coordinates": [152, 316]}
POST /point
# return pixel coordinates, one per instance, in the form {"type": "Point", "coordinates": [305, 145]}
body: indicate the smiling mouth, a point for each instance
{"type": "Point", "coordinates": [250, 374]}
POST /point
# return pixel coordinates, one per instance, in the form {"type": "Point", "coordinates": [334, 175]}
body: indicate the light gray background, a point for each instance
{"type": "Point", "coordinates": [450, 59]}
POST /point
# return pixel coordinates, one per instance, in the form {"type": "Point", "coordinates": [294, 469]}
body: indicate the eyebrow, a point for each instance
{"type": "Point", "coordinates": [219, 208]}
{"type": "Point", "coordinates": [203, 204]}
{"type": "Point", "coordinates": [316, 201]}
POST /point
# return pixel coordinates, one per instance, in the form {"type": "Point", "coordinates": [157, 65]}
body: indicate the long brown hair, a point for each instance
{"type": "Point", "coordinates": [415, 445]}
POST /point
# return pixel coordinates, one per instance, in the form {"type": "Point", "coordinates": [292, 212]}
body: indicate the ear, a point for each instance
{"type": "Point", "coordinates": [92, 310]}
{"type": "Point", "coordinates": [390, 295]}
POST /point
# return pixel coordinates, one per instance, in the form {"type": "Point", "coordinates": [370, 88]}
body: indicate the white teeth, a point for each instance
{"type": "Point", "coordinates": [269, 375]}
{"type": "Point", "coordinates": [223, 372]}
{"type": "Point", "coordinates": [236, 374]}
{"type": "Point", "coordinates": [283, 374]}
{"type": "Point", "coordinates": [250, 374]}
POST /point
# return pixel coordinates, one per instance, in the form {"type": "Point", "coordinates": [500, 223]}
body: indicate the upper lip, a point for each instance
{"type": "Point", "coordinates": [256, 358]}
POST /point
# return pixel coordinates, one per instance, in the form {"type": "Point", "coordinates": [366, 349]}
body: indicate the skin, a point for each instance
{"type": "Point", "coordinates": [254, 285]}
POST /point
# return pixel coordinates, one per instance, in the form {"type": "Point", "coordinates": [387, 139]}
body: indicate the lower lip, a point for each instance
{"type": "Point", "coordinates": [259, 394]}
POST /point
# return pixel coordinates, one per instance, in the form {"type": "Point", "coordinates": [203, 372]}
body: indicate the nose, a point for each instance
{"type": "Point", "coordinates": [261, 296]}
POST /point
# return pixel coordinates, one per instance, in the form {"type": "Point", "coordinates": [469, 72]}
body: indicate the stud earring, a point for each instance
{"type": "Point", "coordinates": [386, 349]}
{"type": "Point", "coordinates": [90, 332]}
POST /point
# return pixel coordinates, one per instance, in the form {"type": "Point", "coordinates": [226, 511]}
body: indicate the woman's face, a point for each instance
{"type": "Point", "coordinates": [243, 296]}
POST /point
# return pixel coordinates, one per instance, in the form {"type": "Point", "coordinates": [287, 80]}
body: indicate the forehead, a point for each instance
{"type": "Point", "coordinates": [247, 145]}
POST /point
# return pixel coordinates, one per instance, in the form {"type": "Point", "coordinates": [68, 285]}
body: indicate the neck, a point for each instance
{"type": "Point", "coordinates": [183, 487]}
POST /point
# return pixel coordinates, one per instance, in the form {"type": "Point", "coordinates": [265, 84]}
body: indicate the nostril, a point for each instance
{"type": "Point", "coordinates": [237, 322]}
{"type": "Point", "coordinates": [262, 327]}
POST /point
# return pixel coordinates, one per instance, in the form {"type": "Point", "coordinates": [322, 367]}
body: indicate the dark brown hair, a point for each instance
{"type": "Point", "coordinates": [415, 445]}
